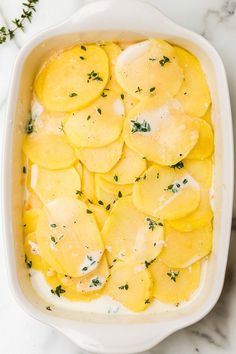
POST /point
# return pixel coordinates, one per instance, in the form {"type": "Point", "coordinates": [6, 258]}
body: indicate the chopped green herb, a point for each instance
{"type": "Point", "coordinates": [48, 308]}
{"type": "Point", "coordinates": [53, 225]}
{"type": "Point", "coordinates": [152, 59]}
{"type": "Point", "coordinates": [83, 47]}
{"type": "Point", "coordinates": [108, 207]}
{"type": "Point", "coordinates": [122, 96]}
{"type": "Point", "coordinates": [185, 181]}
{"type": "Point", "coordinates": [58, 291]}
{"type": "Point", "coordinates": [143, 127]}
{"type": "Point", "coordinates": [73, 94]}
{"type": "Point", "coordinates": [82, 58]}
{"type": "Point", "coordinates": [116, 178]}
{"type": "Point", "coordinates": [119, 194]}
{"type": "Point", "coordinates": [84, 269]}
{"type": "Point", "coordinates": [147, 301]}
{"type": "Point", "coordinates": [144, 176]}
{"type": "Point", "coordinates": [100, 202]}
{"type": "Point", "coordinates": [173, 275]}
{"type": "Point", "coordinates": [178, 165]}
{"type": "Point", "coordinates": [124, 287]}
{"type": "Point", "coordinates": [137, 179]}
{"type": "Point", "coordinates": [89, 117]}
{"type": "Point", "coordinates": [61, 128]}
{"type": "Point", "coordinates": [24, 170]}
{"type": "Point", "coordinates": [99, 110]}
{"type": "Point", "coordinates": [152, 224]}
{"type": "Point", "coordinates": [28, 263]}
{"type": "Point", "coordinates": [89, 211]}
{"type": "Point", "coordinates": [93, 76]}
{"type": "Point", "coordinates": [138, 90]}
{"type": "Point", "coordinates": [164, 60]}
{"type": "Point", "coordinates": [104, 94]}
{"type": "Point", "coordinates": [160, 224]}
{"type": "Point", "coordinates": [147, 264]}
{"type": "Point", "coordinates": [53, 239]}
{"type": "Point", "coordinates": [158, 175]}
{"type": "Point", "coordinates": [95, 283]}
{"type": "Point", "coordinates": [29, 126]}
{"type": "Point", "coordinates": [78, 192]}
{"type": "Point", "coordinates": [152, 89]}
{"type": "Point", "coordinates": [174, 188]}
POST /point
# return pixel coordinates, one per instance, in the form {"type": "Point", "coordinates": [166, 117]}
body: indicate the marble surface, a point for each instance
{"type": "Point", "coordinates": [20, 334]}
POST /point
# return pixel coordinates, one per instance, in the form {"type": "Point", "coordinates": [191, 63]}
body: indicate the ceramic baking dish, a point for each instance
{"type": "Point", "coordinates": [115, 20]}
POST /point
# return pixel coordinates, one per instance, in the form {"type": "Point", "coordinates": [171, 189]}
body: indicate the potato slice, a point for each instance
{"type": "Point", "coordinates": [130, 102]}
{"type": "Point", "coordinates": [98, 125]}
{"type": "Point", "coordinates": [148, 67]}
{"type": "Point", "coordinates": [32, 254]}
{"type": "Point", "coordinates": [68, 237]}
{"type": "Point", "coordinates": [130, 285]}
{"type": "Point", "coordinates": [114, 188]}
{"type": "Point", "coordinates": [207, 116]}
{"type": "Point", "coordinates": [101, 159]}
{"type": "Point", "coordinates": [94, 281]}
{"type": "Point", "coordinates": [73, 78]}
{"type": "Point", "coordinates": [48, 184]}
{"type": "Point", "coordinates": [129, 167]}
{"type": "Point", "coordinates": [194, 94]}
{"type": "Point", "coordinates": [174, 285]}
{"type": "Point", "coordinates": [201, 171]}
{"type": "Point", "coordinates": [113, 51]}
{"type": "Point", "coordinates": [205, 144]}
{"type": "Point", "coordinates": [47, 146]}
{"type": "Point", "coordinates": [108, 198]}
{"type": "Point", "coordinates": [128, 233]}
{"type": "Point", "coordinates": [160, 131]}
{"type": "Point", "coordinates": [60, 290]}
{"type": "Point", "coordinates": [30, 219]}
{"type": "Point", "coordinates": [79, 168]}
{"type": "Point", "coordinates": [88, 186]}
{"type": "Point", "coordinates": [100, 214]}
{"type": "Point", "coordinates": [167, 193]}
{"type": "Point", "coordinates": [185, 248]}
{"type": "Point", "coordinates": [32, 201]}
{"type": "Point", "coordinates": [198, 218]}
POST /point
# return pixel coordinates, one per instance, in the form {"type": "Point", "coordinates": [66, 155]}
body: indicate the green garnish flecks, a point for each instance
{"type": "Point", "coordinates": [116, 178]}
{"type": "Point", "coordinates": [172, 274]}
{"type": "Point", "coordinates": [58, 291]}
{"type": "Point", "coordinates": [164, 60]}
{"type": "Point", "coordinates": [143, 127]}
{"type": "Point", "coordinates": [147, 263]}
{"type": "Point", "coordinates": [124, 287]}
{"type": "Point", "coordinates": [28, 263]}
{"type": "Point", "coordinates": [178, 165]}
{"type": "Point", "coordinates": [73, 94]}
{"type": "Point", "coordinates": [89, 211]}
{"type": "Point", "coordinates": [94, 76]}
{"type": "Point", "coordinates": [152, 224]}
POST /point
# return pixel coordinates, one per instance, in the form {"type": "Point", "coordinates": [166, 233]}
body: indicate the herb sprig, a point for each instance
{"type": "Point", "coordinates": [143, 127]}
{"type": "Point", "coordinates": [28, 8]}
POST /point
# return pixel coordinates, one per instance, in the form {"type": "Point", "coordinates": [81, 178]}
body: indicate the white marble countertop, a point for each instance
{"type": "Point", "coordinates": [215, 334]}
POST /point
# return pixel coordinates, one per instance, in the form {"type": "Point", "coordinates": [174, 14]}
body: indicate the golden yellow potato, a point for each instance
{"type": "Point", "coordinates": [130, 102]}
{"type": "Point", "coordinates": [130, 285]}
{"type": "Point", "coordinates": [47, 146]}
{"type": "Point", "coordinates": [32, 254]}
{"type": "Point", "coordinates": [88, 186]}
{"type": "Point", "coordinates": [205, 144]}
{"type": "Point", "coordinates": [167, 193]}
{"type": "Point", "coordinates": [99, 124]}
{"type": "Point", "coordinates": [94, 281]}
{"type": "Point", "coordinates": [72, 79]}
{"type": "Point", "coordinates": [127, 169]}
{"type": "Point", "coordinates": [79, 168]}
{"type": "Point", "coordinates": [185, 248]}
{"type": "Point", "coordinates": [108, 198]}
{"type": "Point", "coordinates": [114, 188]}
{"type": "Point", "coordinates": [194, 94]}
{"type": "Point", "coordinates": [68, 237]}
{"type": "Point", "coordinates": [198, 218]}
{"type": "Point", "coordinates": [147, 68]}
{"type": "Point", "coordinates": [49, 184]}
{"type": "Point", "coordinates": [113, 51]}
{"type": "Point", "coordinates": [60, 290]}
{"type": "Point", "coordinates": [100, 213]}
{"type": "Point", "coordinates": [173, 285]}
{"type": "Point", "coordinates": [201, 171]}
{"type": "Point", "coordinates": [30, 219]}
{"type": "Point", "coordinates": [130, 234]}
{"type": "Point", "coordinates": [160, 131]}
{"type": "Point", "coordinates": [101, 159]}
{"type": "Point", "coordinates": [32, 201]}
{"type": "Point", "coordinates": [207, 116]}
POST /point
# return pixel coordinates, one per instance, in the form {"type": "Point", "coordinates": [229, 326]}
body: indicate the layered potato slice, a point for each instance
{"type": "Point", "coordinates": [73, 78]}
{"type": "Point", "coordinates": [114, 188]}
{"type": "Point", "coordinates": [185, 248]}
{"type": "Point", "coordinates": [91, 282]}
{"type": "Point", "coordinates": [32, 254]}
{"type": "Point", "coordinates": [205, 144]}
{"type": "Point", "coordinates": [130, 234]}
{"type": "Point", "coordinates": [194, 94]}
{"type": "Point", "coordinates": [158, 129]}
{"type": "Point", "coordinates": [99, 124]}
{"type": "Point", "coordinates": [49, 184]}
{"type": "Point", "coordinates": [88, 185]}
{"type": "Point", "coordinates": [68, 237]}
{"type": "Point", "coordinates": [113, 51]}
{"type": "Point", "coordinates": [167, 193]}
{"type": "Point", "coordinates": [100, 213]}
{"type": "Point", "coordinates": [47, 146]}
{"type": "Point", "coordinates": [128, 168]}
{"type": "Point", "coordinates": [130, 285]}
{"type": "Point", "coordinates": [101, 159]}
{"type": "Point", "coordinates": [198, 218]}
{"type": "Point", "coordinates": [173, 285]}
{"type": "Point", "coordinates": [149, 67]}
{"type": "Point", "coordinates": [30, 219]}
{"type": "Point", "coordinates": [201, 171]}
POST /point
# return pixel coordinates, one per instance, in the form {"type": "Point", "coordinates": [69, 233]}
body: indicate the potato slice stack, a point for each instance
{"type": "Point", "coordinates": [117, 170]}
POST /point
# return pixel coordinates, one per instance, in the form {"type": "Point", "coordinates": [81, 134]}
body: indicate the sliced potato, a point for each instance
{"type": "Point", "coordinates": [100, 214]}
{"type": "Point", "coordinates": [194, 94]}
{"type": "Point", "coordinates": [130, 102]}
{"type": "Point", "coordinates": [114, 188]}
{"type": "Point", "coordinates": [130, 234]}
{"type": "Point", "coordinates": [205, 144]}
{"type": "Point", "coordinates": [48, 184]}
{"type": "Point", "coordinates": [94, 281]}
{"type": "Point", "coordinates": [148, 67]}
{"type": "Point", "coordinates": [198, 218]}
{"type": "Point", "coordinates": [174, 285]}
{"type": "Point", "coordinates": [130, 285]}
{"type": "Point", "coordinates": [108, 198]}
{"type": "Point", "coordinates": [79, 168]}
{"type": "Point", "coordinates": [160, 131]}
{"type": "Point", "coordinates": [185, 248]}
{"type": "Point", "coordinates": [201, 171]}
{"type": "Point", "coordinates": [32, 201]}
{"type": "Point", "coordinates": [32, 254]}
{"type": "Point", "coordinates": [113, 51]}
{"type": "Point", "coordinates": [88, 186]}
{"type": "Point", "coordinates": [207, 116]}
{"type": "Point", "coordinates": [101, 159]}
{"type": "Point", "coordinates": [166, 192]}
{"type": "Point", "coordinates": [73, 78]}
{"type": "Point", "coordinates": [129, 167]}
{"type": "Point", "coordinates": [30, 219]}
{"type": "Point", "coordinates": [68, 237]}
{"type": "Point", "coordinates": [47, 146]}
{"type": "Point", "coordinates": [99, 124]}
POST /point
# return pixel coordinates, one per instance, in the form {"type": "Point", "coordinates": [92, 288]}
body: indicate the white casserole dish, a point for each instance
{"type": "Point", "coordinates": [115, 20]}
